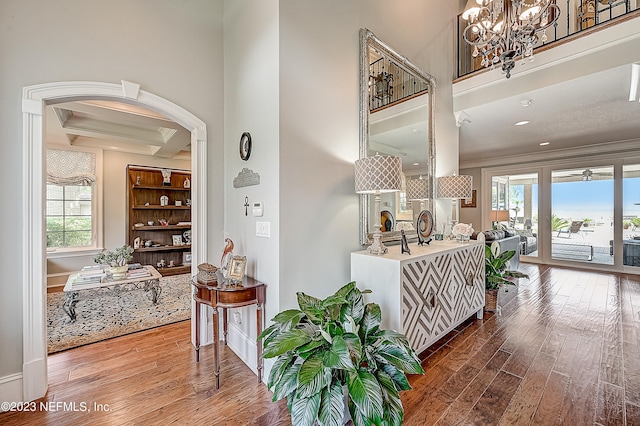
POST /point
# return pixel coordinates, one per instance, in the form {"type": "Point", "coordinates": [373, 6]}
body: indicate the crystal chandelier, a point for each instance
{"type": "Point", "coordinates": [502, 31]}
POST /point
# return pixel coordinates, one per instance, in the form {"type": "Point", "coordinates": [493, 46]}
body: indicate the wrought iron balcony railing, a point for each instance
{"type": "Point", "coordinates": [577, 17]}
{"type": "Point", "coordinates": [390, 83]}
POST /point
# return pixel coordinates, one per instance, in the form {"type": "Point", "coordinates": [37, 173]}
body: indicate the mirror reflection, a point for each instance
{"type": "Point", "coordinates": [396, 119]}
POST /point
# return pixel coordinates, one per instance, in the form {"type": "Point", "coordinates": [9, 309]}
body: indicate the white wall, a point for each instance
{"type": "Point", "coordinates": [251, 105]}
{"type": "Point", "coordinates": [314, 89]}
{"type": "Point", "coordinates": [173, 49]}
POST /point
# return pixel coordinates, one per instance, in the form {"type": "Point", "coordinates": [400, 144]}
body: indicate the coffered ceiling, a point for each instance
{"type": "Point", "coordinates": [116, 126]}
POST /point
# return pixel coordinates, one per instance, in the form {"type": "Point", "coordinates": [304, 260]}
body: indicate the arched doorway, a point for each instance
{"type": "Point", "coordinates": [35, 99]}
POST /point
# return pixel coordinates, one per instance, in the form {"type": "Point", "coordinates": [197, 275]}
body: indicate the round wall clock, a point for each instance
{"type": "Point", "coordinates": [245, 146]}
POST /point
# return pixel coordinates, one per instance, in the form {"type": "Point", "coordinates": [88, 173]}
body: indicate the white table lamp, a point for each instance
{"type": "Point", "coordinates": [418, 188]}
{"type": "Point", "coordinates": [375, 175]}
{"type": "Point", "coordinates": [455, 187]}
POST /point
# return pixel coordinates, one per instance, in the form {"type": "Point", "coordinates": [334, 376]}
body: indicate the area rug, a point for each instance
{"type": "Point", "coordinates": [115, 314]}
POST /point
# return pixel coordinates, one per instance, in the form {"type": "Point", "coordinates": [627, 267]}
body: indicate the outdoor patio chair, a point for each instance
{"type": "Point", "coordinates": [574, 228]}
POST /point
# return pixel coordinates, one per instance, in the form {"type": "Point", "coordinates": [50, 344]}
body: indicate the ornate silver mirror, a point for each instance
{"type": "Point", "coordinates": [396, 118]}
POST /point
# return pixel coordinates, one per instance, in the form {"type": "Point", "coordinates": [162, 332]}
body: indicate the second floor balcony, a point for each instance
{"type": "Point", "coordinates": [575, 19]}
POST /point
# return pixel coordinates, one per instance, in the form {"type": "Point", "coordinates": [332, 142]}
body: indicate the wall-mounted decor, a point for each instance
{"type": "Point", "coordinates": [469, 202]}
{"type": "Point", "coordinates": [245, 146]}
{"type": "Point", "coordinates": [246, 177]}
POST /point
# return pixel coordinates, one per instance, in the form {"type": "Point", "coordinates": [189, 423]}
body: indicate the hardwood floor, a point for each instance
{"type": "Point", "coordinates": [565, 350]}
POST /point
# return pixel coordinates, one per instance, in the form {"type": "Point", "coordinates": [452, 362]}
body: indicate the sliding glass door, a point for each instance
{"type": "Point", "coordinates": [582, 215]}
{"type": "Point", "coordinates": [514, 206]}
{"type": "Point", "coordinates": [631, 215]}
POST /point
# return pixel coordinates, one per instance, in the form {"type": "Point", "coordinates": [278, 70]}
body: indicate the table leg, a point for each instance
{"type": "Point", "coordinates": [259, 343]}
{"type": "Point", "coordinates": [154, 287]}
{"type": "Point", "coordinates": [70, 302]}
{"type": "Point", "coordinates": [197, 314]}
{"type": "Point", "coordinates": [216, 356]}
{"type": "Point", "coordinates": [225, 324]}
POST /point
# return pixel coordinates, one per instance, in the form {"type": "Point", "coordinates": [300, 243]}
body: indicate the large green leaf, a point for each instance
{"type": "Point", "coordinates": [311, 306]}
{"type": "Point", "coordinates": [331, 411]}
{"type": "Point", "coordinates": [288, 383]}
{"type": "Point", "coordinates": [308, 348]}
{"type": "Point", "coordinates": [354, 307]}
{"type": "Point", "coordinates": [357, 416]}
{"type": "Point", "coordinates": [400, 340]}
{"type": "Point", "coordinates": [304, 411]}
{"type": "Point", "coordinates": [371, 319]}
{"type": "Point", "coordinates": [365, 393]}
{"type": "Point", "coordinates": [267, 331]}
{"type": "Point", "coordinates": [346, 289]}
{"type": "Point", "coordinates": [398, 377]}
{"type": "Point", "coordinates": [289, 318]}
{"type": "Point", "coordinates": [338, 356]}
{"type": "Point", "coordinates": [333, 300]}
{"type": "Point", "coordinates": [279, 367]}
{"type": "Point", "coordinates": [397, 356]}
{"type": "Point", "coordinates": [312, 377]}
{"type": "Point", "coordinates": [354, 346]}
{"type": "Point", "coordinates": [393, 411]}
{"type": "Point", "coordinates": [285, 342]}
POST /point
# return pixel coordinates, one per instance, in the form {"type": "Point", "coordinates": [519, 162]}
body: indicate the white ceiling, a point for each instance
{"type": "Point", "coordinates": [589, 110]}
{"type": "Point", "coordinates": [116, 126]}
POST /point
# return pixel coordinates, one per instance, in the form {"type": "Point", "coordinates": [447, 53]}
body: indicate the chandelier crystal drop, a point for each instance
{"type": "Point", "coordinates": [501, 31]}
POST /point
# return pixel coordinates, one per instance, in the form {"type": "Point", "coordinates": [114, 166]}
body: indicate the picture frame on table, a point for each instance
{"type": "Point", "coordinates": [177, 240]}
{"type": "Point", "coordinates": [469, 202]}
{"type": "Point", "coordinates": [237, 268]}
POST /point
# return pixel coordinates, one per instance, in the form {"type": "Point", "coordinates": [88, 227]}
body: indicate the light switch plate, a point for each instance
{"type": "Point", "coordinates": [263, 229]}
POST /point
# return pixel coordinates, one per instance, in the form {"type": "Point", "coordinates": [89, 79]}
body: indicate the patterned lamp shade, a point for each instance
{"type": "Point", "coordinates": [456, 186]}
{"type": "Point", "coordinates": [380, 173]}
{"type": "Point", "coordinates": [418, 189]}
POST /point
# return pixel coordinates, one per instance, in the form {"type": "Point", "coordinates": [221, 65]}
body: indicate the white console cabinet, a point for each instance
{"type": "Point", "coordinates": [425, 294]}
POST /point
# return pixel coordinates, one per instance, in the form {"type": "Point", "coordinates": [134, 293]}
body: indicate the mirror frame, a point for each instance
{"type": "Point", "coordinates": [367, 40]}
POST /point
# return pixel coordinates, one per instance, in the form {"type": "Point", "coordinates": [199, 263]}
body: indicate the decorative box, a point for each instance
{"type": "Point", "coordinates": [207, 273]}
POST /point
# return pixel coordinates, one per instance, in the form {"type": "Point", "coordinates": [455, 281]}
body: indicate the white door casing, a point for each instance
{"type": "Point", "coordinates": [35, 99]}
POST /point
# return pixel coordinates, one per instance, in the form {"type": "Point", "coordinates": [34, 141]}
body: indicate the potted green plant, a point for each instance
{"type": "Point", "coordinates": [116, 259]}
{"type": "Point", "coordinates": [497, 274]}
{"type": "Point", "coordinates": [332, 354]}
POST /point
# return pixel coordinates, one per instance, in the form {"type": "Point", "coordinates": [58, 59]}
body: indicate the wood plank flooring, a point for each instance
{"type": "Point", "coordinates": [565, 350]}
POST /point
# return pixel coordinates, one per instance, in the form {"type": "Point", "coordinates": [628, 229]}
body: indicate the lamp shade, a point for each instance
{"type": "Point", "coordinates": [500, 215]}
{"type": "Point", "coordinates": [378, 174]}
{"type": "Point", "coordinates": [456, 186]}
{"type": "Point", "coordinates": [417, 189]}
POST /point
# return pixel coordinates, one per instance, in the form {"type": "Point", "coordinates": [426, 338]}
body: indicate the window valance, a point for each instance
{"type": "Point", "coordinates": [71, 167]}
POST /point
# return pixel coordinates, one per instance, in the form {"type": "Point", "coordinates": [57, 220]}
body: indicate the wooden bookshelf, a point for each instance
{"type": "Point", "coordinates": [146, 212]}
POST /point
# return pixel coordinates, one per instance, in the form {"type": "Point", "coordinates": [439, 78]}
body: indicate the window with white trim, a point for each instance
{"type": "Point", "coordinates": [70, 199]}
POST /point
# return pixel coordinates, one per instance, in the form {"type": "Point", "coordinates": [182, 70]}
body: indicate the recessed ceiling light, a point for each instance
{"type": "Point", "coordinates": [522, 123]}
{"type": "Point", "coordinates": [416, 164]}
{"type": "Point", "coordinates": [544, 143]}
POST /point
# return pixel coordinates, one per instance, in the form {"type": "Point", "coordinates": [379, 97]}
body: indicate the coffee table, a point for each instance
{"type": "Point", "coordinates": [74, 293]}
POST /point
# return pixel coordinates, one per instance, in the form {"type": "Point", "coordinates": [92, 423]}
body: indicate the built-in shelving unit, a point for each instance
{"type": "Point", "coordinates": [152, 241]}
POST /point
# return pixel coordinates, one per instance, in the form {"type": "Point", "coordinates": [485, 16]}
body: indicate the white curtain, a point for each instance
{"type": "Point", "coordinates": [70, 167]}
